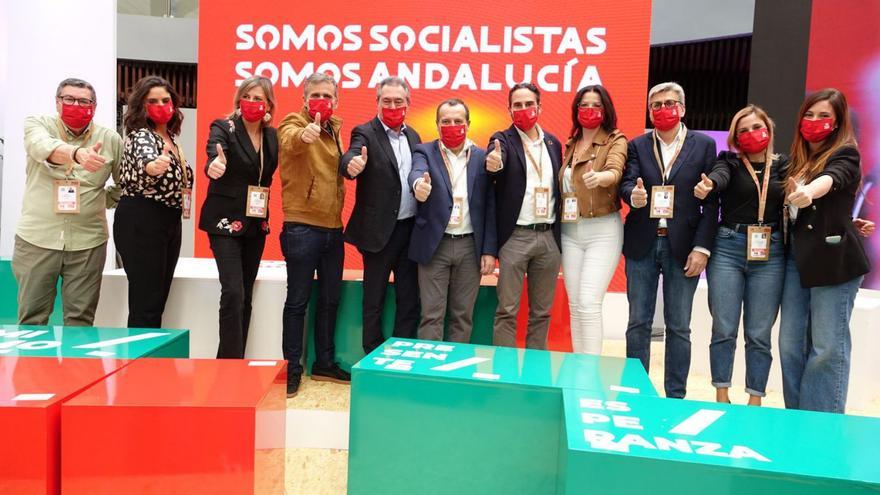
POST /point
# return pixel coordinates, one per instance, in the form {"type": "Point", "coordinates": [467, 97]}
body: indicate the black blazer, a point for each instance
{"type": "Point", "coordinates": [510, 181]}
{"type": "Point", "coordinates": [377, 198]}
{"type": "Point", "coordinates": [820, 262]}
{"type": "Point", "coordinates": [226, 200]}
{"type": "Point", "coordinates": [694, 222]}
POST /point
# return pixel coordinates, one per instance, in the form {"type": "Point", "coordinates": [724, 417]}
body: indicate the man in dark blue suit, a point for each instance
{"type": "Point", "coordinates": [668, 230]}
{"type": "Point", "coordinates": [453, 240]}
{"type": "Point", "coordinates": [524, 161]}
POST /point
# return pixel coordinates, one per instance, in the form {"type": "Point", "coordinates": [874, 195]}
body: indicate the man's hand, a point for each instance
{"type": "Point", "coordinates": [487, 264]}
{"type": "Point", "coordinates": [312, 132]}
{"type": "Point", "coordinates": [356, 165]}
{"type": "Point", "coordinates": [91, 158]}
{"type": "Point", "coordinates": [423, 188]}
{"type": "Point", "coordinates": [696, 263]}
{"type": "Point", "coordinates": [864, 227]}
{"type": "Point", "coordinates": [639, 197]}
{"type": "Point", "coordinates": [493, 159]}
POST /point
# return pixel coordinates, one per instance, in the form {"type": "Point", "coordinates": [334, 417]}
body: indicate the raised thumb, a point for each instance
{"type": "Point", "coordinates": [427, 178]}
{"type": "Point", "coordinates": [97, 147]}
{"type": "Point", "coordinates": [639, 183]}
{"type": "Point", "coordinates": [497, 146]}
{"type": "Point", "coordinates": [364, 152]}
{"type": "Point", "coordinates": [706, 180]}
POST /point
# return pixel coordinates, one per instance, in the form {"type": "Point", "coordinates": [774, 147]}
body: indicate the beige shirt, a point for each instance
{"type": "Point", "coordinates": [539, 152]}
{"type": "Point", "coordinates": [459, 181]}
{"type": "Point", "coordinates": [39, 224]}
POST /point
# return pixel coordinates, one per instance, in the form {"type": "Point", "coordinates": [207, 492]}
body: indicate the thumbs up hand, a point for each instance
{"type": "Point", "coordinates": [312, 132]}
{"type": "Point", "coordinates": [423, 188]}
{"type": "Point", "coordinates": [639, 197]}
{"type": "Point", "coordinates": [494, 159]}
{"type": "Point", "coordinates": [160, 165]}
{"type": "Point", "coordinates": [800, 196]}
{"type": "Point", "coordinates": [591, 178]}
{"type": "Point", "coordinates": [704, 187]}
{"type": "Point", "coordinates": [356, 165]}
{"type": "Point", "coordinates": [218, 165]}
{"type": "Point", "coordinates": [90, 158]}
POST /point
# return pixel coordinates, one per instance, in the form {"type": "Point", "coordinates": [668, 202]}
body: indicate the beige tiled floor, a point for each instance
{"type": "Point", "coordinates": [324, 471]}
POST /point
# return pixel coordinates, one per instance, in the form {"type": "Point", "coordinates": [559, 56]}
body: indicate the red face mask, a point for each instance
{"type": "Point", "coordinates": [324, 106]}
{"type": "Point", "coordinates": [252, 111]}
{"type": "Point", "coordinates": [817, 130]}
{"type": "Point", "coordinates": [393, 117]}
{"type": "Point", "coordinates": [453, 135]}
{"type": "Point", "coordinates": [666, 118]}
{"type": "Point", "coordinates": [75, 116]}
{"type": "Point", "coordinates": [525, 118]}
{"type": "Point", "coordinates": [159, 113]}
{"type": "Point", "coordinates": [590, 117]}
{"type": "Point", "coordinates": [754, 141]}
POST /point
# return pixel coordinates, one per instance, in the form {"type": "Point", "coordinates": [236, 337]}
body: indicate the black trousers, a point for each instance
{"type": "Point", "coordinates": [238, 260]}
{"type": "Point", "coordinates": [377, 267]}
{"type": "Point", "coordinates": [147, 236]}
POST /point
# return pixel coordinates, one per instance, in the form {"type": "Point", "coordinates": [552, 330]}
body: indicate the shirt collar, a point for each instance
{"type": "Point", "coordinates": [71, 135]}
{"type": "Point", "coordinates": [682, 132]}
{"type": "Point", "coordinates": [464, 150]}
{"type": "Point", "coordinates": [527, 140]}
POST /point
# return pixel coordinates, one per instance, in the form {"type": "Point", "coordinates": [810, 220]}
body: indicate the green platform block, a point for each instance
{"type": "Point", "coordinates": [9, 297]}
{"type": "Point", "coordinates": [663, 446]}
{"type": "Point", "coordinates": [349, 321]}
{"type": "Point", "coordinates": [441, 418]}
{"type": "Point", "coordinates": [91, 342]}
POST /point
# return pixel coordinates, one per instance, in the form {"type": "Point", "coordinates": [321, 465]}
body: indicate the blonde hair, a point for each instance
{"type": "Point", "coordinates": [759, 112]}
{"type": "Point", "coordinates": [249, 84]}
{"type": "Point", "coordinates": [804, 163]}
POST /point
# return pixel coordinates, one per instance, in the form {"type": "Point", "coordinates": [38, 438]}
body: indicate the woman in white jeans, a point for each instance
{"type": "Point", "coordinates": [592, 230]}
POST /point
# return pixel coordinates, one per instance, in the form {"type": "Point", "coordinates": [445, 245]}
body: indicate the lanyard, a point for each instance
{"type": "Point", "coordinates": [539, 165]}
{"type": "Point", "coordinates": [452, 178]}
{"type": "Point", "coordinates": [762, 189]}
{"type": "Point", "coordinates": [665, 168]}
{"type": "Point", "coordinates": [260, 177]}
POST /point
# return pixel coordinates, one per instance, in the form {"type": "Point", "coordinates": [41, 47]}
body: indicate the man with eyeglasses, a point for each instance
{"type": "Point", "coordinates": [379, 157]}
{"type": "Point", "coordinates": [668, 230]}
{"type": "Point", "coordinates": [63, 227]}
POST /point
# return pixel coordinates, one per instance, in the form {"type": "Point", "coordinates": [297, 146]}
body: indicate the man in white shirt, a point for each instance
{"type": "Point", "coordinates": [524, 161]}
{"type": "Point", "coordinates": [453, 240]}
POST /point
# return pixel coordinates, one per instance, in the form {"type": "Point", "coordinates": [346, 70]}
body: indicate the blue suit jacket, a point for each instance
{"type": "Point", "coordinates": [694, 221]}
{"type": "Point", "coordinates": [433, 215]}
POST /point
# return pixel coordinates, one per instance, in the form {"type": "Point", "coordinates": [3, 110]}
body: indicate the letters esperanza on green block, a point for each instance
{"type": "Point", "coordinates": [91, 342]}
{"type": "Point", "coordinates": [461, 418]}
{"type": "Point", "coordinates": [640, 444]}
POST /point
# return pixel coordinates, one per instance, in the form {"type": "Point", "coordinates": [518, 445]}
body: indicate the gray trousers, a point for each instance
{"type": "Point", "coordinates": [37, 271]}
{"type": "Point", "coordinates": [532, 253]}
{"type": "Point", "coordinates": [452, 276]}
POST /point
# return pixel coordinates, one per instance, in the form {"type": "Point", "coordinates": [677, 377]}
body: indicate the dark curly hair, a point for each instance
{"type": "Point", "coordinates": [136, 115]}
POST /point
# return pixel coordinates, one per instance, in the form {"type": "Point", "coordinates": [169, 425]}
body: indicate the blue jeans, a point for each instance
{"type": "Point", "coordinates": [815, 343]}
{"type": "Point", "coordinates": [678, 297]}
{"type": "Point", "coordinates": [307, 249]}
{"type": "Point", "coordinates": [753, 288]}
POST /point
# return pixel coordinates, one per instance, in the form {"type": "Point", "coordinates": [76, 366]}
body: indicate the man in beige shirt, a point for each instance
{"type": "Point", "coordinates": [63, 227]}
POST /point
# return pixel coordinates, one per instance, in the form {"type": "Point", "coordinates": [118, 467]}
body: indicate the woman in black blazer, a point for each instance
{"type": "Point", "coordinates": [242, 156]}
{"type": "Point", "coordinates": [826, 261]}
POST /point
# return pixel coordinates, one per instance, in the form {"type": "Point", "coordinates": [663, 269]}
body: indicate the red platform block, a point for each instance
{"type": "Point", "coordinates": [32, 390]}
{"type": "Point", "coordinates": [179, 426]}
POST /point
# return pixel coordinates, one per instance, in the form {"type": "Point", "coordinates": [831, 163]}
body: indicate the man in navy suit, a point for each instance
{"type": "Point", "coordinates": [454, 236]}
{"type": "Point", "coordinates": [524, 162]}
{"type": "Point", "coordinates": [668, 230]}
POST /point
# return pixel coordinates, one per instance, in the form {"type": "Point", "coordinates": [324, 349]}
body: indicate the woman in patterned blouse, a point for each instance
{"type": "Point", "coordinates": [156, 191]}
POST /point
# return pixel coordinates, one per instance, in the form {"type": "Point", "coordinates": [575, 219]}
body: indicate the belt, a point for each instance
{"type": "Point", "coordinates": [540, 227]}
{"type": "Point", "coordinates": [662, 231]}
{"type": "Point", "coordinates": [743, 228]}
{"type": "Point", "coordinates": [457, 236]}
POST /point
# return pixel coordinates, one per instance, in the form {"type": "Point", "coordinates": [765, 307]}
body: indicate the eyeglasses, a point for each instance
{"type": "Point", "coordinates": [655, 105]}
{"type": "Point", "coordinates": [83, 102]}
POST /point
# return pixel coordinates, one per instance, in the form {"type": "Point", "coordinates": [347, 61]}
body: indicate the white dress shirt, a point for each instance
{"type": "Point", "coordinates": [539, 152]}
{"type": "Point", "coordinates": [400, 146]}
{"type": "Point", "coordinates": [459, 182]}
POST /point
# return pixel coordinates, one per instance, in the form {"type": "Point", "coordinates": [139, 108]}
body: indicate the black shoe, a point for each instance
{"type": "Point", "coordinates": [332, 373]}
{"type": "Point", "coordinates": [293, 385]}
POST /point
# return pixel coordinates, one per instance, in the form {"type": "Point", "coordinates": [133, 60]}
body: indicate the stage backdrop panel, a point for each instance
{"type": "Point", "coordinates": [475, 54]}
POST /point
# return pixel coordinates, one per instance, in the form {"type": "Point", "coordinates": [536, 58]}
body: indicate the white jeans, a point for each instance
{"type": "Point", "coordinates": [590, 254]}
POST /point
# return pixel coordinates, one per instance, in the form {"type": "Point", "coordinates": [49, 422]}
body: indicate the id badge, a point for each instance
{"type": "Point", "coordinates": [186, 200]}
{"type": "Point", "coordinates": [662, 201]}
{"type": "Point", "coordinates": [67, 196]}
{"type": "Point", "coordinates": [257, 202]}
{"type": "Point", "coordinates": [542, 202]}
{"type": "Point", "coordinates": [758, 243]}
{"type": "Point", "coordinates": [570, 211]}
{"type": "Point", "coordinates": [455, 218]}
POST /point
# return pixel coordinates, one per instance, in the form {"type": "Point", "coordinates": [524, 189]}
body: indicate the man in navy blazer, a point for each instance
{"type": "Point", "coordinates": [668, 230]}
{"type": "Point", "coordinates": [524, 161]}
{"type": "Point", "coordinates": [454, 236]}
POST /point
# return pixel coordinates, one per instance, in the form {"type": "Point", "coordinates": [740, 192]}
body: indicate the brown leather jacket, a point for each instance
{"type": "Point", "coordinates": [608, 152]}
